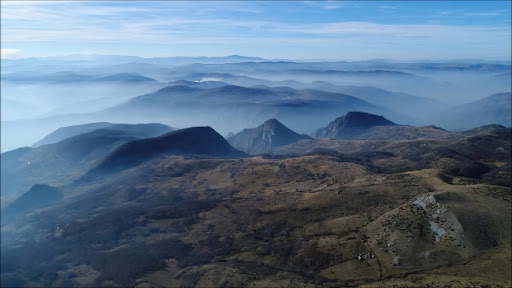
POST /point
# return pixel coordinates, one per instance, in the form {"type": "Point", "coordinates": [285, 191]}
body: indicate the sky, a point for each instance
{"type": "Point", "coordinates": [337, 30]}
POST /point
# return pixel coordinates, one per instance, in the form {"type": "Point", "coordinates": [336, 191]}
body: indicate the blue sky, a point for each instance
{"type": "Point", "coordinates": [338, 30]}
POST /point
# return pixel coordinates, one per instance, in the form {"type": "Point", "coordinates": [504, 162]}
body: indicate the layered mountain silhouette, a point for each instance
{"type": "Point", "coordinates": [70, 77]}
{"type": "Point", "coordinates": [351, 125]}
{"type": "Point", "coordinates": [408, 104]}
{"type": "Point", "coordinates": [494, 109]}
{"type": "Point", "coordinates": [232, 107]}
{"type": "Point", "coordinates": [68, 158]}
{"type": "Point", "coordinates": [70, 131]}
{"type": "Point", "coordinates": [38, 196]}
{"type": "Point", "coordinates": [183, 93]}
{"type": "Point", "coordinates": [261, 139]}
{"type": "Point", "coordinates": [195, 140]}
{"type": "Point", "coordinates": [125, 77]}
{"type": "Point", "coordinates": [199, 84]}
{"type": "Point", "coordinates": [239, 94]}
{"type": "Point", "coordinates": [135, 130]}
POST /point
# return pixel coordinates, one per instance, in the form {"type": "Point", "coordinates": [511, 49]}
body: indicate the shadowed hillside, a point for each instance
{"type": "Point", "coordinates": [300, 221]}
{"type": "Point", "coordinates": [351, 125]}
{"type": "Point", "coordinates": [196, 140]}
{"type": "Point", "coordinates": [69, 158]}
{"type": "Point", "coordinates": [38, 196]}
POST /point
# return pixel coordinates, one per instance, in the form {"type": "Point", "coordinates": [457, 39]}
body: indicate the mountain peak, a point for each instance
{"type": "Point", "coordinates": [351, 124]}
{"type": "Point", "coordinates": [263, 138]}
{"type": "Point", "coordinates": [362, 119]}
{"type": "Point", "coordinates": [356, 117]}
{"type": "Point", "coordinates": [273, 123]}
{"type": "Point", "coordinates": [194, 140]}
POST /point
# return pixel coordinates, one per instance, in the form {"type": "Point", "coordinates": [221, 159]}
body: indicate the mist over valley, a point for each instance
{"type": "Point", "coordinates": [324, 158]}
{"type": "Point", "coordinates": [305, 97]}
{"type": "Point", "coordinates": [256, 144]}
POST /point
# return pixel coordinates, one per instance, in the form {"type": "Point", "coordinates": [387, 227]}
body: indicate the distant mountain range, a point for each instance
{"type": "Point", "coordinates": [418, 93]}
{"type": "Point", "coordinates": [198, 84]}
{"type": "Point", "coordinates": [494, 109]}
{"type": "Point", "coordinates": [70, 78]}
{"type": "Point", "coordinates": [263, 138]}
{"type": "Point", "coordinates": [234, 107]}
{"type": "Point", "coordinates": [95, 59]}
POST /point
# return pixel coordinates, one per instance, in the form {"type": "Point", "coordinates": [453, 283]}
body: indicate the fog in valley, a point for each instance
{"type": "Point", "coordinates": [36, 101]}
{"type": "Point", "coordinates": [256, 144]}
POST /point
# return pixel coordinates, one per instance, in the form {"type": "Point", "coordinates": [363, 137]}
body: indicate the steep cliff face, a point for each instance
{"type": "Point", "coordinates": [263, 138]}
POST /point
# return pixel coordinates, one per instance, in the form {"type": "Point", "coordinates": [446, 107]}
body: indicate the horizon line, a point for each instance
{"type": "Point", "coordinates": [257, 58]}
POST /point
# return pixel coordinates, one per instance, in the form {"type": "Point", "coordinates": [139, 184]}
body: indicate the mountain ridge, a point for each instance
{"type": "Point", "coordinates": [193, 140]}
{"type": "Point", "coordinates": [68, 158]}
{"type": "Point", "coordinates": [145, 130]}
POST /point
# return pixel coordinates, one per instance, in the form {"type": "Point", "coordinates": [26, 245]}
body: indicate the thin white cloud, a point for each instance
{"type": "Point", "coordinates": [484, 14]}
{"type": "Point", "coordinates": [328, 5]}
{"type": "Point", "coordinates": [47, 19]}
{"type": "Point", "coordinates": [58, 21]}
{"type": "Point", "coordinates": [201, 31]}
{"type": "Point", "coordinates": [396, 30]}
{"type": "Point", "coordinates": [21, 3]}
{"type": "Point", "coordinates": [444, 13]}
{"type": "Point", "coordinates": [8, 53]}
{"type": "Point", "coordinates": [331, 7]}
{"type": "Point", "coordinates": [182, 23]}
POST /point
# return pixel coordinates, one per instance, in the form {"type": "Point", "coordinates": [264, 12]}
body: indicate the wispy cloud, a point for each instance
{"type": "Point", "coordinates": [387, 7]}
{"type": "Point", "coordinates": [445, 13]}
{"type": "Point", "coordinates": [202, 25]}
{"type": "Point", "coordinates": [332, 6]}
{"type": "Point", "coordinates": [328, 5]}
{"type": "Point", "coordinates": [484, 14]}
{"type": "Point", "coordinates": [8, 53]}
{"type": "Point", "coordinates": [396, 30]}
